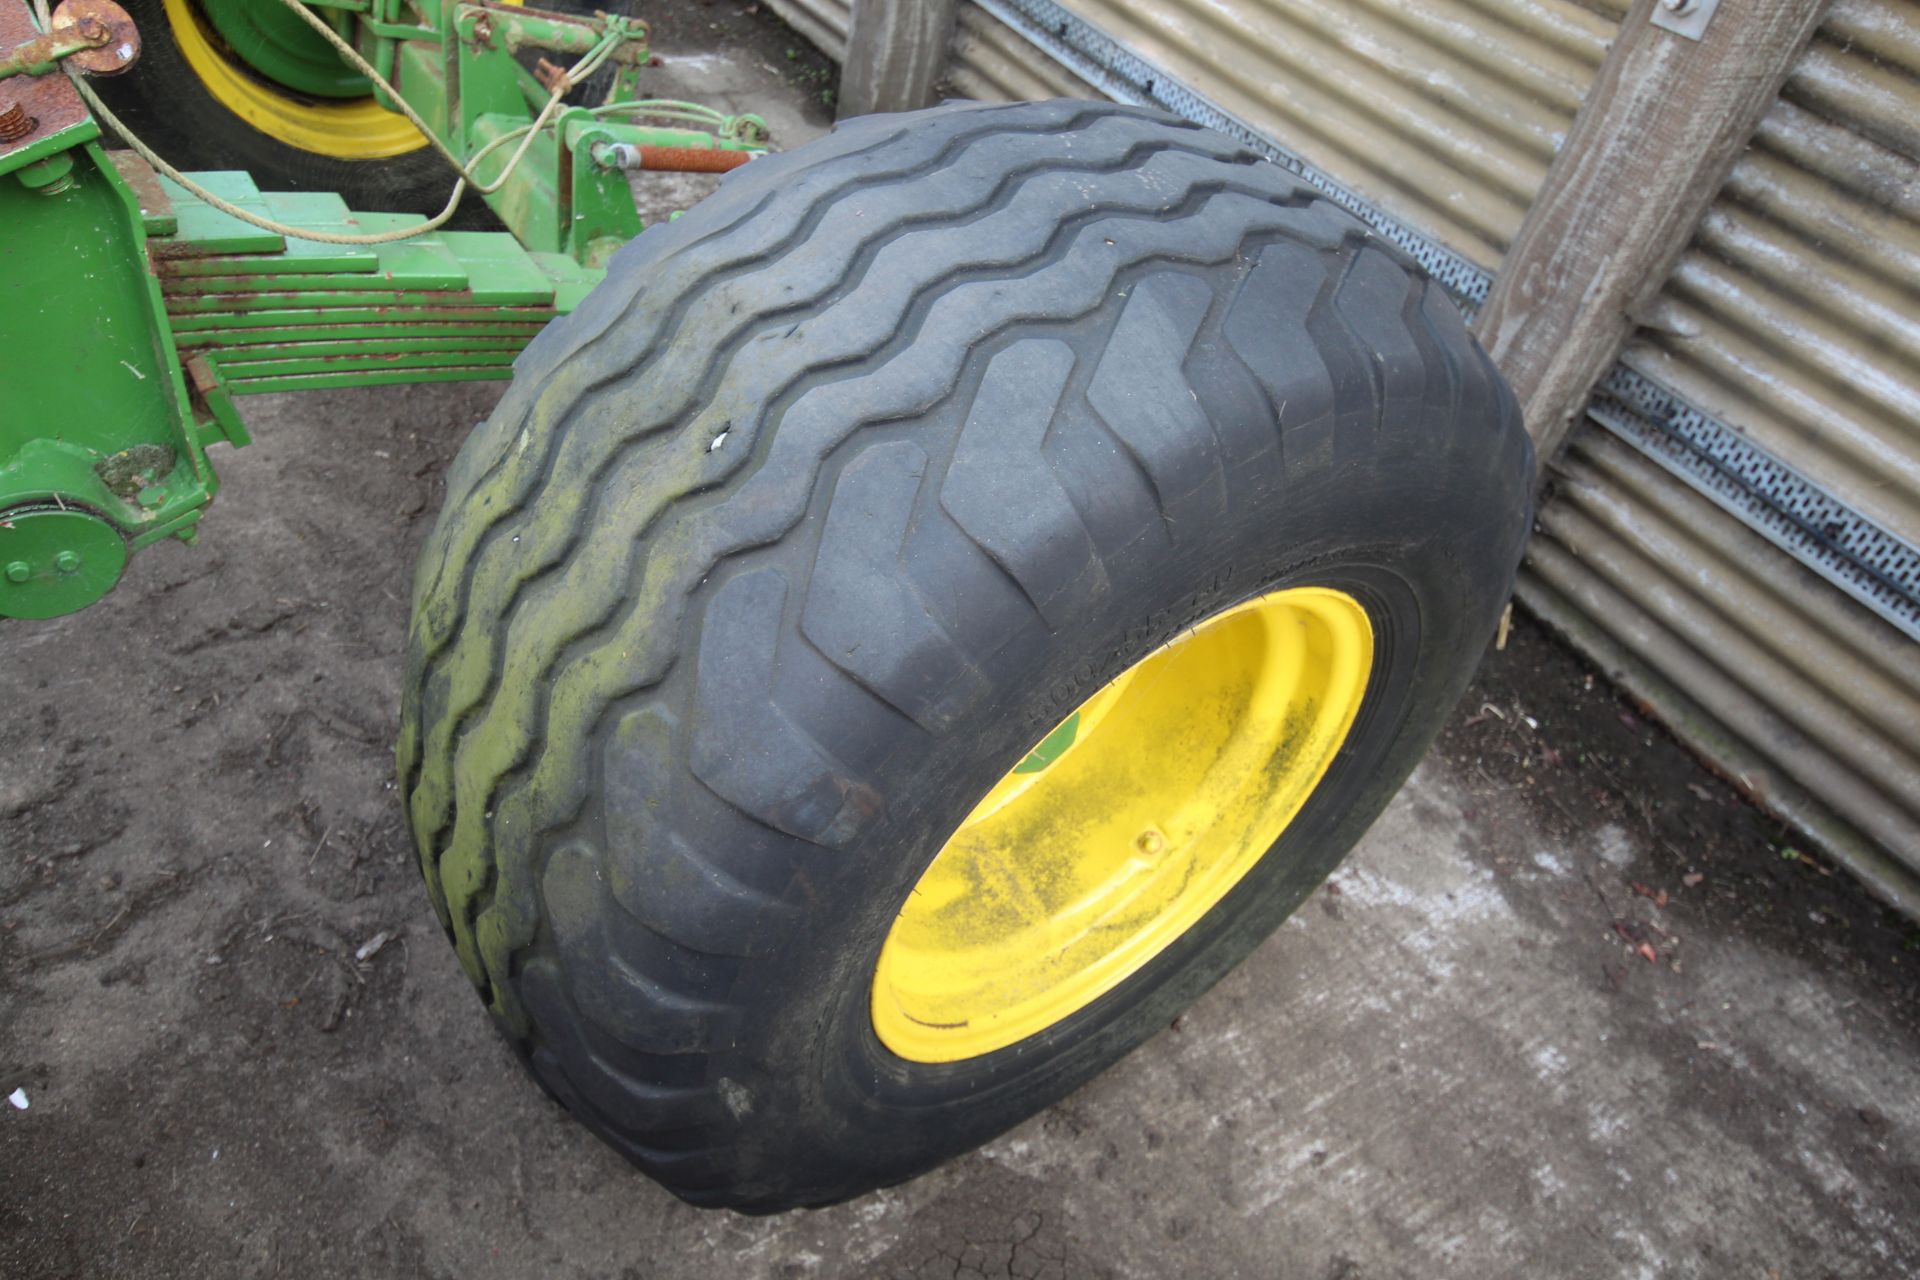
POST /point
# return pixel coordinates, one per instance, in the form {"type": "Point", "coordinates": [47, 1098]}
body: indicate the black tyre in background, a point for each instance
{"type": "Point", "coordinates": [188, 115]}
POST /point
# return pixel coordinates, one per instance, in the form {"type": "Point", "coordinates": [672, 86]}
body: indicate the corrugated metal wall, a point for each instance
{"type": "Point", "coordinates": [1803, 697]}
{"type": "Point", "coordinates": [989, 61]}
{"type": "Point", "coordinates": [824, 22]}
{"type": "Point", "coordinates": [1793, 319]}
{"type": "Point", "coordinates": [993, 63]}
{"type": "Point", "coordinates": [1444, 112]}
{"type": "Point", "coordinates": [1798, 305]}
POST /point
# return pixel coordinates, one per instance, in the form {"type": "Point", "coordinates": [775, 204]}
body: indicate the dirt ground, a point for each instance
{"type": "Point", "coordinates": [1572, 1009]}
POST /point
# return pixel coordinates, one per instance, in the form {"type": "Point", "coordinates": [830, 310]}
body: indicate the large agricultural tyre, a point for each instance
{"type": "Point", "coordinates": [930, 613]}
{"type": "Point", "coordinates": [243, 84]}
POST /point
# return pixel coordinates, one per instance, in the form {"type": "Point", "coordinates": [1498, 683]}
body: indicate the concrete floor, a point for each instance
{"type": "Point", "coordinates": [1455, 1061]}
{"type": "Point", "coordinates": [1570, 1010]}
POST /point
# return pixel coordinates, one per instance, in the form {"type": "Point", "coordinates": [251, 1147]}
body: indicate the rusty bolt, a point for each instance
{"type": "Point", "coordinates": [15, 123]}
{"type": "Point", "coordinates": [551, 76]}
{"type": "Point", "coordinates": [111, 40]}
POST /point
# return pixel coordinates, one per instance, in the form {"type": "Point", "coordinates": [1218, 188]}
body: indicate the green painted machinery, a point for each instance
{"type": "Point", "coordinates": [137, 310]}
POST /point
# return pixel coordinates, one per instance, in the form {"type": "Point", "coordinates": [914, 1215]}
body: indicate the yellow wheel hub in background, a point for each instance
{"type": "Point", "coordinates": [346, 129]}
{"type": "Point", "coordinates": [1123, 826]}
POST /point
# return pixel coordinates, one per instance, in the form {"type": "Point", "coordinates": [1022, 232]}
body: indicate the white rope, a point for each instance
{"type": "Point", "coordinates": [588, 64]}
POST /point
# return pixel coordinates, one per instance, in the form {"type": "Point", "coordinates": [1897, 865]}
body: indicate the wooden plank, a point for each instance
{"type": "Point", "coordinates": [1651, 146]}
{"type": "Point", "coordinates": [896, 49]}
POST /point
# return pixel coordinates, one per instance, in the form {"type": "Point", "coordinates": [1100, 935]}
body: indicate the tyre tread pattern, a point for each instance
{"type": "Point", "coordinates": [605, 750]}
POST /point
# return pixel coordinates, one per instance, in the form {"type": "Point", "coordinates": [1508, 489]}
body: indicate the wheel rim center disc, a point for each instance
{"type": "Point", "coordinates": [272, 40]}
{"type": "Point", "coordinates": [1123, 826]}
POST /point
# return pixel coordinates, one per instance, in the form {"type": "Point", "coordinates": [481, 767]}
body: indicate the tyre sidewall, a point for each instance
{"type": "Point", "coordinates": [1387, 537]}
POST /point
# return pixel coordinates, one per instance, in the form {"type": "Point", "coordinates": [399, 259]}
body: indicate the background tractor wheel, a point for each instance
{"type": "Point", "coordinates": [932, 611]}
{"type": "Point", "coordinates": [244, 84]}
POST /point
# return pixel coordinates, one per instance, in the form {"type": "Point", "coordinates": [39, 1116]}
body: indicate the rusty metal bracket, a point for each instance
{"type": "Point", "coordinates": [39, 115]}
{"type": "Point", "coordinates": [96, 36]}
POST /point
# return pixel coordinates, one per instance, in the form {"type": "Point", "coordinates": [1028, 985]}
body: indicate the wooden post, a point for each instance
{"type": "Point", "coordinates": [1650, 148]}
{"type": "Point", "coordinates": [896, 49]}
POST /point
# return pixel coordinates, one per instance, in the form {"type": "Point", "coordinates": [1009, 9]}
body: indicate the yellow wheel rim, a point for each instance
{"type": "Point", "coordinates": [348, 129]}
{"type": "Point", "coordinates": [1123, 826]}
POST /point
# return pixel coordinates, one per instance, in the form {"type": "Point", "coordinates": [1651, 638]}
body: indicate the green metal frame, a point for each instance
{"type": "Point", "coordinates": [138, 313]}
